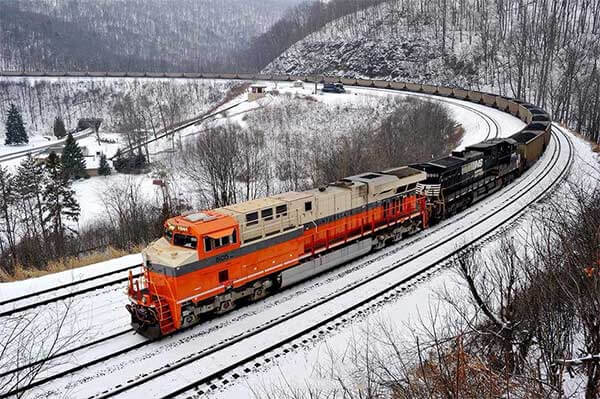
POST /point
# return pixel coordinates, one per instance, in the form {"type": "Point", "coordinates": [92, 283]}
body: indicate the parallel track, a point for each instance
{"type": "Point", "coordinates": [339, 315]}
{"type": "Point", "coordinates": [66, 285]}
{"type": "Point", "coordinates": [68, 295]}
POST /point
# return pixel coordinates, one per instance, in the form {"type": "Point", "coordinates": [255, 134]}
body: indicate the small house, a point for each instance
{"type": "Point", "coordinates": [256, 91]}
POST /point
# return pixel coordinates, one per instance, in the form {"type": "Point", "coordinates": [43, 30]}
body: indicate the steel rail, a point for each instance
{"type": "Point", "coordinates": [65, 296]}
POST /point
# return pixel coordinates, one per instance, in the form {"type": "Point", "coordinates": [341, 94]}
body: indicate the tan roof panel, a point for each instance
{"type": "Point", "coordinates": [403, 171]}
{"type": "Point", "coordinates": [249, 206]}
{"type": "Point", "coordinates": [292, 196]}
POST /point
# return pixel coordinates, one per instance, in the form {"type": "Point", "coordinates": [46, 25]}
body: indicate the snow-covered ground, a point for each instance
{"type": "Point", "coordinates": [103, 313]}
{"type": "Point", "coordinates": [42, 99]}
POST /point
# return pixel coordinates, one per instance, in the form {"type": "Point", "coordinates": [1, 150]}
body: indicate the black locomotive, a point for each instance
{"type": "Point", "coordinates": [454, 182]}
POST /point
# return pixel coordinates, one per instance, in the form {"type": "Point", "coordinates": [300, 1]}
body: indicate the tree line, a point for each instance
{"type": "Point", "coordinates": [143, 35]}
{"type": "Point", "coordinates": [159, 103]}
{"type": "Point", "coordinates": [39, 211]}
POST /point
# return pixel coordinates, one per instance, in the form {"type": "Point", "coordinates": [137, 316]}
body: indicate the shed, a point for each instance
{"type": "Point", "coordinates": [256, 91]}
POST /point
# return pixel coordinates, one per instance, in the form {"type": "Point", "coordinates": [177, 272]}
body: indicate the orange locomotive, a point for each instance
{"type": "Point", "coordinates": [209, 261]}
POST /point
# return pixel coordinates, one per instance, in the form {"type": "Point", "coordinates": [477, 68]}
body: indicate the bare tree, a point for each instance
{"type": "Point", "coordinates": [212, 163]}
{"type": "Point", "coordinates": [29, 345]}
{"type": "Point", "coordinates": [253, 162]}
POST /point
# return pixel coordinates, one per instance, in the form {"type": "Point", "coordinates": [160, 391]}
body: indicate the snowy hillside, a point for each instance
{"type": "Point", "coordinates": [526, 50]}
{"type": "Point", "coordinates": [379, 42]}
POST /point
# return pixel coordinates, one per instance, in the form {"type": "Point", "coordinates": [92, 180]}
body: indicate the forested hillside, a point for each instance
{"type": "Point", "coordinates": [148, 35]}
{"type": "Point", "coordinates": [545, 52]}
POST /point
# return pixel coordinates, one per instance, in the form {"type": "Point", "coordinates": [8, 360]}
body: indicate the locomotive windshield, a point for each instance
{"type": "Point", "coordinates": [183, 240]}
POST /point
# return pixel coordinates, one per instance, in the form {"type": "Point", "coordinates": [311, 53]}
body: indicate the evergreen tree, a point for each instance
{"type": "Point", "coordinates": [15, 130]}
{"type": "Point", "coordinates": [60, 204]}
{"type": "Point", "coordinates": [72, 159]}
{"type": "Point", "coordinates": [29, 184]}
{"type": "Point", "coordinates": [59, 128]}
{"type": "Point", "coordinates": [104, 169]}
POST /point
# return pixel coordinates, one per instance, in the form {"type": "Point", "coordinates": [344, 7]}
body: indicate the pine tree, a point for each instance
{"type": "Point", "coordinates": [59, 128]}
{"type": "Point", "coordinates": [29, 184]}
{"type": "Point", "coordinates": [15, 130]}
{"type": "Point", "coordinates": [72, 159]}
{"type": "Point", "coordinates": [104, 169]}
{"type": "Point", "coordinates": [60, 204]}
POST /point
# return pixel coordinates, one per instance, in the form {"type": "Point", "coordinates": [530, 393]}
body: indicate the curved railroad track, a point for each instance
{"type": "Point", "coordinates": [513, 193]}
{"type": "Point", "coordinates": [326, 321]}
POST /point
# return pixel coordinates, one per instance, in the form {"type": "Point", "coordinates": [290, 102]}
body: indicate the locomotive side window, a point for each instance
{"type": "Point", "coordinates": [267, 214]}
{"type": "Point", "coordinates": [251, 218]}
{"type": "Point", "coordinates": [281, 210]}
{"type": "Point", "coordinates": [183, 240]}
{"type": "Point", "coordinates": [308, 206]}
{"type": "Point", "coordinates": [214, 243]}
{"type": "Point", "coordinates": [169, 235]}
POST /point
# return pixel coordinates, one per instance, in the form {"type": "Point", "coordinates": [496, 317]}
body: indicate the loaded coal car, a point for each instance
{"type": "Point", "coordinates": [498, 155]}
{"type": "Point", "coordinates": [541, 127]}
{"type": "Point", "coordinates": [456, 181]}
{"type": "Point", "coordinates": [530, 145]}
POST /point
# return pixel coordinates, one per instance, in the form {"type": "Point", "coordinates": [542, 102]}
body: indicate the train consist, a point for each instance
{"type": "Point", "coordinates": [209, 262]}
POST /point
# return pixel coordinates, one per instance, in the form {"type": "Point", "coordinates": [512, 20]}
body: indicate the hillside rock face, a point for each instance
{"type": "Point", "coordinates": [379, 43]}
